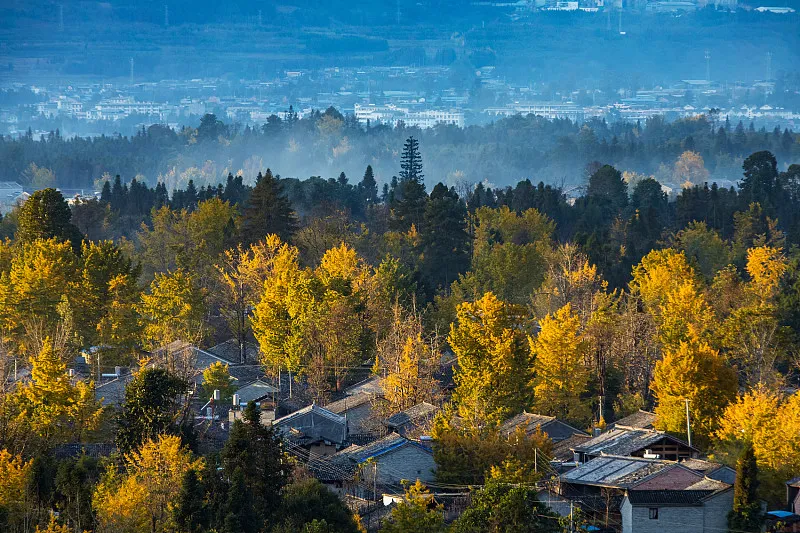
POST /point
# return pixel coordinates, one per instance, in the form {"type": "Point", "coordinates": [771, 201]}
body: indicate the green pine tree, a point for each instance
{"type": "Point", "coordinates": [746, 514]}
{"type": "Point", "coordinates": [268, 211]}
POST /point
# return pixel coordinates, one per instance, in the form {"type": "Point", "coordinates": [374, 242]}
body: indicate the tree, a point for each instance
{"type": "Point", "coordinates": [746, 512]}
{"type": "Point", "coordinates": [190, 510]}
{"type": "Point", "coordinates": [74, 484]}
{"type": "Point", "coordinates": [690, 169]}
{"type": "Point", "coordinates": [268, 211]}
{"type": "Point", "coordinates": [368, 187]}
{"type": "Point", "coordinates": [151, 407]}
{"type": "Point", "coordinates": [561, 376]}
{"type": "Point", "coordinates": [492, 374]}
{"type": "Point", "coordinates": [14, 472]}
{"type": "Point", "coordinates": [173, 310]}
{"type": "Point", "coordinates": [46, 215]}
{"type": "Point", "coordinates": [444, 238]}
{"type": "Point", "coordinates": [217, 377]}
{"type": "Point", "coordinates": [307, 504]}
{"type": "Point", "coordinates": [607, 189]}
{"type": "Point", "coordinates": [144, 496]}
{"type": "Point", "coordinates": [416, 513]}
{"type": "Point", "coordinates": [243, 272]}
{"type": "Point", "coordinates": [501, 507]}
{"type": "Point", "coordinates": [408, 195]}
{"type": "Point", "coordinates": [256, 452]}
{"type": "Point", "coordinates": [760, 183]}
{"type": "Point", "coordinates": [693, 371]}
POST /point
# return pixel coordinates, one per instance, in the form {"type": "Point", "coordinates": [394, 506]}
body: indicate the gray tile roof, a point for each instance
{"type": "Point", "coordinates": [531, 421]}
{"type": "Point", "coordinates": [700, 465]}
{"type": "Point", "coordinates": [611, 471]}
{"type": "Point", "coordinates": [621, 441]}
{"type": "Point", "coordinates": [350, 402]}
{"type": "Point", "coordinates": [314, 423]}
{"type": "Point", "coordinates": [708, 484]}
{"type": "Point", "coordinates": [411, 415]}
{"type": "Point", "coordinates": [562, 450]}
{"type": "Point", "coordinates": [639, 420]}
{"type": "Point", "coordinates": [794, 482]}
{"type": "Point", "coordinates": [671, 498]}
{"type": "Point", "coordinates": [344, 464]}
{"type": "Point", "coordinates": [372, 385]}
{"type": "Point", "coordinates": [255, 392]}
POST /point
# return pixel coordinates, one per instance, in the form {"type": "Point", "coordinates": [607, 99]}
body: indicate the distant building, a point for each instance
{"type": "Point", "coordinates": [10, 193]}
{"type": "Point", "coordinates": [393, 115]}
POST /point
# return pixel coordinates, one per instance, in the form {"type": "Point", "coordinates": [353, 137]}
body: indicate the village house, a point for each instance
{"type": "Point", "coordinates": [633, 442]}
{"type": "Point", "coordinates": [555, 429]}
{"type": "Point", "coordinates": [676, 511]}
{"type": "Point", "coordinates": [793, 495]}
{"type": "Point", "coordinates": [363, 424]}
{"type": "Point", "coordinates": [412, 420]}
{"type": "Point", "coordinates": [377, 467]}
{"type": "Point", "coordinates": [638, 420]}
{"type": "Point", "coordinates": [313, 428]}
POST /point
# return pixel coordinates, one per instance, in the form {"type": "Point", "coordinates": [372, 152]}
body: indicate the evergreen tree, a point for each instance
{"type": "Point", "coordinates": [254, 450]}
{"type": "Point", "coordinates": [368, 188]}
{"type": "Point", "coordinates": [411, 161]}
{"type": "Point", "coordinates": [746, 512]}
{"type": "Point", "coordinates": [407, 197]}
{"type": "Point", "coordinates": [268, 211]}
{"type": "Point", "coordinates": [117, 194]}
{"type": "Point", "coordinates": [150, 408]}
{"type": "Point", "coordinates": [239, 514]}
{"type": "Point", "coordinates": [105, 194]}
{"type": "Point", "coordinates": [190, 513]}
{"type": "Point", "coordinates": [46, 215]}
{"type": "Point", "coordinates": [760, 182]}
{"type": "Point", "coordinates": [445, 242]}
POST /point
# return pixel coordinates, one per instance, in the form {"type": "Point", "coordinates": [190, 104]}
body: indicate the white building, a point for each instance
{"type": "Point", "coordinates": [393, 115]}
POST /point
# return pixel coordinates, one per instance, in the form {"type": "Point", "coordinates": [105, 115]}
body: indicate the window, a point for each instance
{"type": "Point", "coordinates": [654, 513]}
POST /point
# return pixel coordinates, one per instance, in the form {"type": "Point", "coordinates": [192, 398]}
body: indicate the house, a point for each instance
{"type": "Point", "coordinates": [624, 441]}
{"type": "Point", "coordinates": [555, 429]}
{"type": "Point", "coordinates": [412, 419]}
{"type": "Point", "coordinates": [359, 411]}
{"type": "Point", "coordinates": [380, 465]}
{"type": "Point", "coordinates": [257, 391]}
{"type": "Point", "coordinates": [676, 511]}
{"type": "Point", "coordinates": [638, 420]}
{"type": "Point", "coordinates": [793, 495]}
{"type": "Point", "coordinates": [372, 385]}
{"type": "Point", "coordinates": [623, 473]}
{"type": "Point", "coordinates": [563, 458]}
{"type": "Point", "coordinates": [711, 470]}
{"type": "Point", "coordinates": [314, 428]}
{"type": "Point", "coordinates": [111, 392]}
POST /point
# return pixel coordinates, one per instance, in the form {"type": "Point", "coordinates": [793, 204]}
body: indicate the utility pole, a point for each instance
{"type": "Point", "coordinates": [131, 60]}
{"type": "Point", "coordinates": [620, 20]}
{"type": "Point", "coordinates": [166, 15]}
{"type": "Point", "coordinates": [536, 460]}
{"type": "Point", "coordinates": [397, 16]}
{"type": "Point", "coordinates": [259, 17]}
{"type": "Point", "coordinates": [688, 423]}
{"type": "Point", "coordinates": [708, 65]}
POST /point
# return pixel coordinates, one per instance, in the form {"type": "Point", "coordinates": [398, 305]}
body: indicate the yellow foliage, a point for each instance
{"type": "Point", "coordinates": [143, 497]}
{"type": "Point", "coordinates": [765, 265]}
{"type": "Point", "coordinates": [14, 474]}
{"type": "Point", "coordinates": [754, 418]}
{"type": "Point", "coordinates": [561, 376]}
{"type": "Point", "coordinates": [493, 361]}
{"type": "Point", "coordinates": [696, 372]}
{"type": "Point", "coordinates": [54, 527]}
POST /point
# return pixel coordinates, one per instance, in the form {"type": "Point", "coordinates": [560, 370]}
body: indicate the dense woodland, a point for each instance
{"type": "Point", "coordinates": [325, 144]}
{"type": "Point", "coordinates": [586, 310]}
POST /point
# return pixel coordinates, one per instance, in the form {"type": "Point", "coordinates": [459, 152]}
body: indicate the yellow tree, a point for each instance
{"type": "Point", "coordinates": [765, 265]}
{"type": "Point", "coordinates": [690, 169]}
{"type": "Point", "coordinates": [754, 418]}
{"type": "Point", "coordinates": [217, 377]}
{"type": "Point", "coordinates": [243, 272]}
{"type": "Point", "coordinates": [695, 372]}
{"type": "Point", "coordinates": [43, 273]}
{"type": "Point", "coordinates": [560, 374]}
{"type": "Point", "coordinates": [173, 310]}
{"type": "Point", "coordinates": [14, 473]}
{"type": "Point", "coordinates": [142, 498]}
{"type": "Point", "coordinates": [413, 380]}
{"type": "Point", "coordinates": [51, 405]}
{"type": "Point", "coordinates": [493, 368]}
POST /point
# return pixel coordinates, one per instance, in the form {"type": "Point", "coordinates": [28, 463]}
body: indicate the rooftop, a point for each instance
{"type": "Point", "coordinates": [611, 471]}
{"type": "Point", "coordinates": [350, 402]}
{"type": "Point", "coordinates": [624, 441]}
{"type": "Point", "coordinates": [638, 420]}
{"type": "Point", "coordinates": [412, 414]}
{"type": "Point", "coordinates": [662, 498]}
